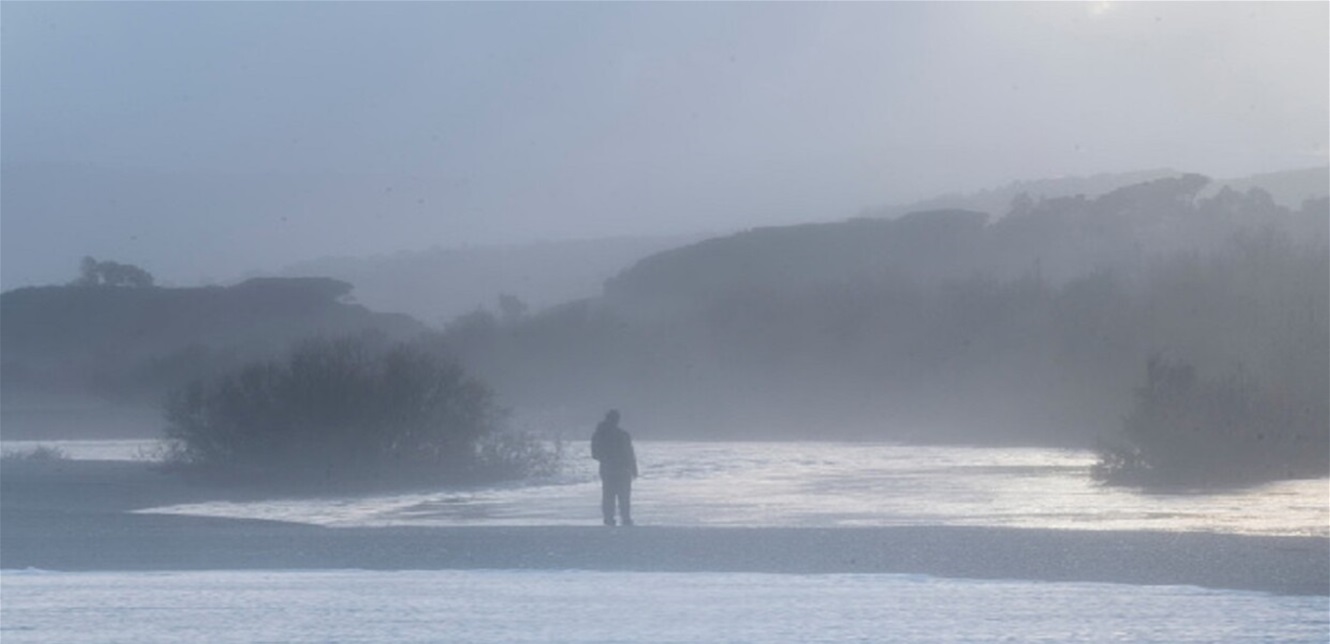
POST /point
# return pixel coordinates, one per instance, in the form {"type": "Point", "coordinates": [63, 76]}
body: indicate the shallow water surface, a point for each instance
{"type": "Point", "coordinates": [820, 484]}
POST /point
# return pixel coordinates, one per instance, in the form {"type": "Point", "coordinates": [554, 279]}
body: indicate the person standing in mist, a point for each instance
{"type": "Point", "coordinates": [613, 447]}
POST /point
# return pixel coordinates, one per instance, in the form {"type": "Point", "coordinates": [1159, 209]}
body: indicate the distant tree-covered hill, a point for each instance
{"type": "Point", "coordinates": [133, 343]}
{"type": "Point", "coordinates": [439, 284]}
{"type": "Point", "coordinates": [1038, 326]}
{"type": "Point", "coordinates": [1056, 239]}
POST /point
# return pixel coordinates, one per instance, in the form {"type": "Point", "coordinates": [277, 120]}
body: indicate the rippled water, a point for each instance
{"type": "Point", "coordinates": [813, 484]}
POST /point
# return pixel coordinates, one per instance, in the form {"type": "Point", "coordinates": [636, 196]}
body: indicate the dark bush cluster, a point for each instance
{"type": "Point", "coordinates": [347, 411]}
{"type": "Point", "coordinates": [1190, 431]}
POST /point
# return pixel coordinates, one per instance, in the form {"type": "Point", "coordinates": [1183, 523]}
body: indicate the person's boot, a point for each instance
{"type": "Point", "coordinates": [609, 522]}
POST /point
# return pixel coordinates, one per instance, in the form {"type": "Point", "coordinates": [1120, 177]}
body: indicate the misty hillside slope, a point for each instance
{"type": "Point", "coordinates": [1288, 188]}
{"type": "Point", "coordinates": [437, 285]}
{"type": "Point", "coordinates": [1037, 327]}
{"type": "Point", "coordinates": [924, 244]}
{"type": "Point", "coordinates": [996, 201]}
{"type": "Point", "coordinates": [1055, 239]}
{"type": "Point", "coordinates": [440, 284]}
{"type": "Point", "coordinates": [137, 342]}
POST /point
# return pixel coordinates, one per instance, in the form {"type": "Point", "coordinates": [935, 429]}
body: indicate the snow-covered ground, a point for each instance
{"type": "Point", "coordinates": [573, 606]}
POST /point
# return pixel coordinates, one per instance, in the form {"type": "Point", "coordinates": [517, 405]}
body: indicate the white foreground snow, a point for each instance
{"type": "Point", "coordinates": [569, 606]}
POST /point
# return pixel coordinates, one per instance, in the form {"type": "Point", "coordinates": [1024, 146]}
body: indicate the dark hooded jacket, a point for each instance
{"type": "Point", "coordinates": [613, 447]}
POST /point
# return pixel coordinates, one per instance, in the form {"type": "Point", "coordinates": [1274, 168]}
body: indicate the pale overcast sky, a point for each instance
{"type": "Point", "coordinates": [204, 140]}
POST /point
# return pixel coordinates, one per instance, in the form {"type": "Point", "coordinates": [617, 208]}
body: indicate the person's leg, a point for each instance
{"type": "Point", "coordinates": [607, 501]}
{"type": "Point", "coordinates": [626, 501]}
